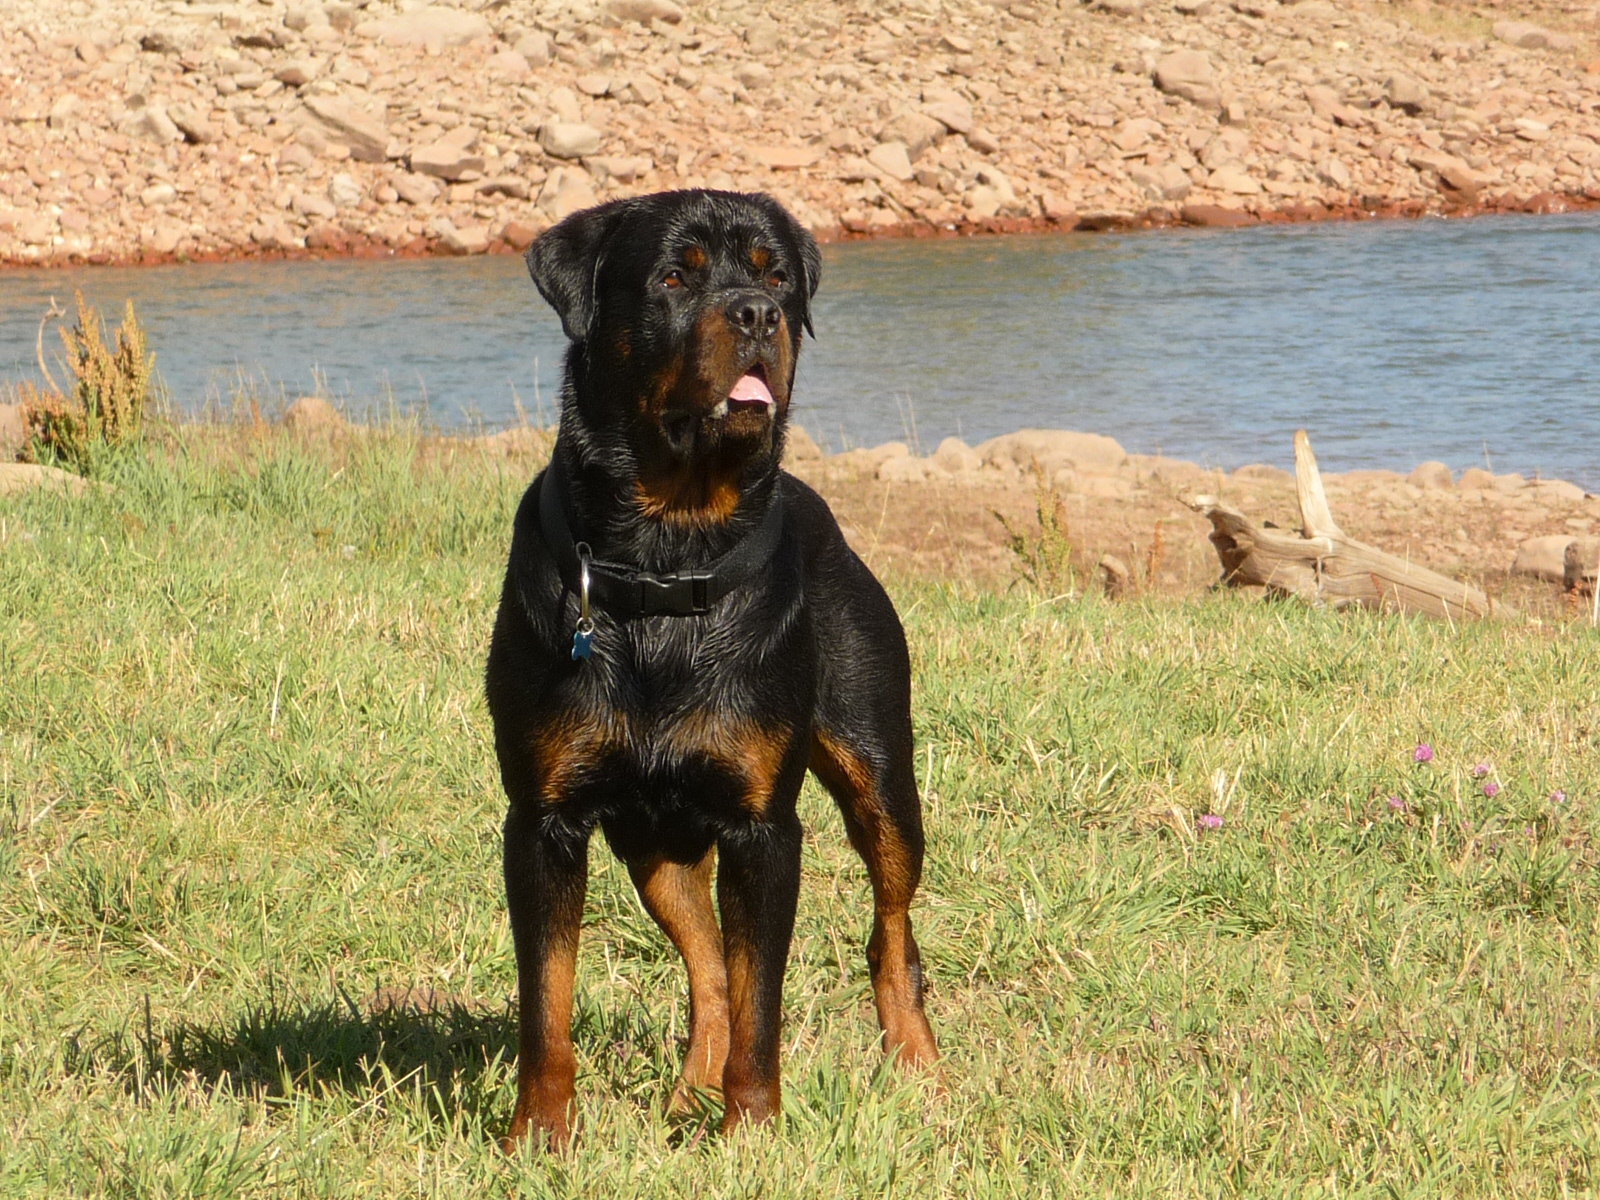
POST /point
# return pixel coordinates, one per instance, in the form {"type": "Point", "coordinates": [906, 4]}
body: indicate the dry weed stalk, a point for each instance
{"type": "Point", "coordinates": [109, 389]}
{"type": "Point", "coordinates": [1043, 560]}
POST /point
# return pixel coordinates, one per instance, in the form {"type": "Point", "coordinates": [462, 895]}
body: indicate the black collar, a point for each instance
{"type": "Point", "coordinates": [624, 591]}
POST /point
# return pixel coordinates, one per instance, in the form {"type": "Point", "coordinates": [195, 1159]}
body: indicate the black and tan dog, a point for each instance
{"type": "Point", "coordinates": [683, 632]}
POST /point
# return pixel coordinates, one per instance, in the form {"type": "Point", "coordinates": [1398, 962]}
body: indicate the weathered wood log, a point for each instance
{"type": "Point", "coordinates": [1582, 564]}
{"type": "Point", "coordinates": [1325, 566]}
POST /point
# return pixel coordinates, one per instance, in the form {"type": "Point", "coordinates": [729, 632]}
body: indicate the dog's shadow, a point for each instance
{"type": "Point", "coordinates": [395, 1039]}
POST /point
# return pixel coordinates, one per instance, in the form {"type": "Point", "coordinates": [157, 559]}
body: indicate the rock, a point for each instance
{"type": "Point", "coordinates": [295, 157]}
{"type": "Point", "coordinates": [344, 191]}
{"type": "Point", "coordinates": [416, 189]}
{"type": "Point", "coordinates": [158, 126]}
{"type": "Point", "coordinates": [982, 140]}
{"type": "Point", "coordinates": [1122, 8]}
{"type": "Point", "coordinates": [566, 190]}
{"type": "Point", "coordinates": [433, 26]}
{"type": "Point", "coordinates": [474, 239]}
{"type": "Point", "coordinates": [785, 158]}
{"type": "Point", "coordinates": [518, 235]}
{"type": "Point", "coordinates": [13, 431]}
{"type": "Point", "coordinates": [194, 127]}
{"type": "Point", "coordinates": [298, 72]}
{"type": "Point", "coordinates": [1452, 172]}
{"type": "Point", "coordinates": [1192, 8]}
{"type": "Point", "coordinates": [1334, 173]}
{"type": "Point", "coordinates": [955, 115]}
{"type": "Point", "coordinates": [312, 414]}
{"type": "Point", "coordinates": [506, 185]}
{"type": "Point", "coordinates": [536, 48]}
{"type": "Point", "coordinates": [307, 205]}
{"type": "Point", "coordinates": [157, 195]}
{"type": "Point", "coordinates": [624, 168]}
{"type": "Point", "coordinates": [1556, 490]}
{"type": "Point", "coordinates": [915, 131]}
{"type": "Point", "coordinates": [1432, 476]}
{"type": "Point", "coordinates": [1476, 477]}
{"type": "Point", "coordinates": [1189, 74]}
{"type": "Point", "coordinates": [1165, 182]}
{"type": "Point", "coordinates": [753, 76]}
{"type": "Point", "coordinates": [867, 461]}
{"type": "Point", "coordinates": [893, 159]}
{"type": "Point", "coordinates": [594, 84]}
{"type": "Point", "coordinates": [763, 35]}
{"type": "Point", "coordinates": [564, 139]}
{"type": "Point", "coordinates": [800, 446]}
{"type": "Point", "coordinates": [508, 64]}
{"type": "Point", "coordinates": [450, 157]}
{"type": "Point", "coordinates": [954, 455]}
{"type": "Point", "coordinates": [1406, 92]}
{"type": "Point", "coordinates": [363, 132]}
{"type": "Point", "coordinates": [327, 236]}
{"type": "Point", "coordinates": [61, 112]}
{"type": "Point", "coordinates": [643, 11]}
{"type": "Point", "coordinates": [302, 17]}
{"type": "Point", "coordinates": [1529, 36]}
{"type": "Point", "coordinates": [1543, 557]}
{"type": "Point", "coordinates": [25, 477]}
{"type": "Point", "coordinates": [1214, 216]}
{"type": "Point", "coordinates": [902, 469]}
{"type": "Point", "coordinates": [1234, 179]}
{"type": "Point", "coordinates": [1054, 449]}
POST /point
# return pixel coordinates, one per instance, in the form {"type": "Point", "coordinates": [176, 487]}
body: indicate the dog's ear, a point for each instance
{"type": "Point", "coordinates": [811, 264]}
{"type": "Point", "coordinates": [565, 260]}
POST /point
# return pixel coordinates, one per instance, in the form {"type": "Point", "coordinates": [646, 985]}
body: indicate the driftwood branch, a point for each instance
{"type": "Point", "coordinates": [1323, 565]}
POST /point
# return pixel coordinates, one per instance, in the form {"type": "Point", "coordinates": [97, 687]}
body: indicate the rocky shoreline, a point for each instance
{"type": "Point", "coordinates": [151, 130]}
{"type": "Point", "coordinates": [938, 514]}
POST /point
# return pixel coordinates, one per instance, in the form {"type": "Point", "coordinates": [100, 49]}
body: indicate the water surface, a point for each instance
{"type": "Point", "coordinates": [1475, 342]}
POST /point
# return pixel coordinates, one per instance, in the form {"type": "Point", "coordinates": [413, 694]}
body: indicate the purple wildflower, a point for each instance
{"type": "Point", "coordinates": [1479, 771]}
{"type": "Point", "coordinates": [1399, 805]}
{"type": "Point", "coordinates": [1558, 797]}
{"type": "Point", "coordinates": [1208, 821]}
{"type": "Point", "coordinates": [1422, 754]}
{"type": "Point", "coordinates": [1491, 789]}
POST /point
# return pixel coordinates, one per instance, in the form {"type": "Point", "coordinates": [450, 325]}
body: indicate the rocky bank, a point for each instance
{"type": "Point", "coordinates": [148, 129]}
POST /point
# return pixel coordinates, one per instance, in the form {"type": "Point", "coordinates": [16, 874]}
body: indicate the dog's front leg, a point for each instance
{"type": "Point", "coordinates": [758, 884]}
{"type": "Point", "coordinates": [546, 868]}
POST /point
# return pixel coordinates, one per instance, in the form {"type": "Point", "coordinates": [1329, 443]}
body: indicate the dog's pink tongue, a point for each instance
{"type": "Point", "coordinates": [751, 389]}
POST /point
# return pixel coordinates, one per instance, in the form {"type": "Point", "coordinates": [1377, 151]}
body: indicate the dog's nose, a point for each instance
{"type": "Point", "coordinates": [753, 314]}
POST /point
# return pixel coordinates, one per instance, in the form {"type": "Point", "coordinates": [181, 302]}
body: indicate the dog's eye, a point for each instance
{"type": "Point", "coordinates": [672, 279]}
{"type": "Point", "coordinates": [777, 279]}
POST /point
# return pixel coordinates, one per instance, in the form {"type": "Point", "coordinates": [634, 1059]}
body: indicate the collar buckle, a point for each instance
{"type": "Point", "coordinates": [682, 593]}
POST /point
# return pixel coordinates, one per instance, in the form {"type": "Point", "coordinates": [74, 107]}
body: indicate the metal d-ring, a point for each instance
{"type": "Point", "coordinates": [585, 622]}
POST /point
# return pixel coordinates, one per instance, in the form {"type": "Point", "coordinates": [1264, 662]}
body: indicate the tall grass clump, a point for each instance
{"type": "Point", "coordinates": [102, 409]}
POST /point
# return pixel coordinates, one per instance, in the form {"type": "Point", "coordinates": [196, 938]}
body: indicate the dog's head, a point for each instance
{"type": "Point", "coordinates": [685, 310]}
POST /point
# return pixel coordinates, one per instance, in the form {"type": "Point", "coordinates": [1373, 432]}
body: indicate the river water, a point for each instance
{"type": "Point", "coordinates": [1476, 342]}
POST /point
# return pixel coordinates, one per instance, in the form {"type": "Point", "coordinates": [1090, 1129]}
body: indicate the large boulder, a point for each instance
{"type": "Point", "coordinates": [434, 26]}
{"type": "Point", "coordinates": [916, 131]}
{"type": "Point", "coordinates": [13, 431]}
{"type": "Point", "coordinates": [1053, 450]}
{"type": "Point", "coordinates": [1188, 73]}
{"type": "Point", "coordinates": [363, 132]}
{"type": "Point", "coordinates": [566, 139]}
{"type": "Point", "coordinates": [1543, 557]}
{"type": "Point", "coordinates": [451, 156]}
{"type": "Point", "coordinates": [643, 11]}
{"type": "Point", "coordinates": [25, 477]}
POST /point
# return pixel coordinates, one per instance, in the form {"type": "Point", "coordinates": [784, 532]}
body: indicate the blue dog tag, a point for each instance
{"type": "Point", "coordinates": [582, 643]}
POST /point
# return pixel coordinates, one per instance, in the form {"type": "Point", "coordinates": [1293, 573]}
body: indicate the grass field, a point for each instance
{"type": "Point", "coordinates": [252, 939]}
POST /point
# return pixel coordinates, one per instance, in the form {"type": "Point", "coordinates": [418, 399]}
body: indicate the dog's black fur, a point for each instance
{"type": "Point", "coordinates": [684, 735]}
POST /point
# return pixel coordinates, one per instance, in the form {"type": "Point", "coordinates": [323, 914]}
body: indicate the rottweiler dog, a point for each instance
{"type": "Point", "coordinates": [683, 632]}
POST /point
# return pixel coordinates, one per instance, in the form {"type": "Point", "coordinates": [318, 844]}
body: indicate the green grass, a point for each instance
{"type": "Point", "coordinates": [246, 784]}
